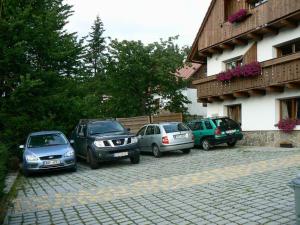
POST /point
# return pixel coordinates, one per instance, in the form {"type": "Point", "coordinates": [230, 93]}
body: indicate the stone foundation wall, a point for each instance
{"type": "Point", "coordinates": [270, 138]}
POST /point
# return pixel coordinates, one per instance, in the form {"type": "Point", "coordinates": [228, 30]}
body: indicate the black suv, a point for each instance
{"type": "Point", "coordinates": [104, 140]}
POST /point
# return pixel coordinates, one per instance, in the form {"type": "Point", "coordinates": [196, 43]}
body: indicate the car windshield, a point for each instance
{"type": "Point", "coordinates": [44, 140]}
{"type": "Point", "coordinates": [175, 127]}
{"type": "Point", "coordinates": [105, 127]}
{"type": "Point", "coordinates": [226, 123]}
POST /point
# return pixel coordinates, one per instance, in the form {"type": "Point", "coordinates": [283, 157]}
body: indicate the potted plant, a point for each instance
{"type": "Point", "coordinates": [238, 16]}
{"type": "Point", "coordinates": [287, 125]}
{"type": "Point", "coordinates": [249, 70]}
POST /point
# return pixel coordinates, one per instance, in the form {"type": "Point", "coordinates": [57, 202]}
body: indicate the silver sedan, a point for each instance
{"type": "Point", "coordinates": [163, 137]}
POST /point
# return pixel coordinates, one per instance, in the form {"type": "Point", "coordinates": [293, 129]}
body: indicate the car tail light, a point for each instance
{"type": "Point", "coordinates": [193, 137]}
{"type": "Point", "coordinates": [218, 131]}
{"type": "Point", "coordinates": [165, 140]}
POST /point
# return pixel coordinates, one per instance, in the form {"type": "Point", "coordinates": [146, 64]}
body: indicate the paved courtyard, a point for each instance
{"type": "Point", "coordinates": [222, 186]}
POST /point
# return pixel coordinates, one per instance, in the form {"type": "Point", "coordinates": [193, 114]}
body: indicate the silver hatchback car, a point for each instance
{"type": "Point", "coordinates": [163, 137]}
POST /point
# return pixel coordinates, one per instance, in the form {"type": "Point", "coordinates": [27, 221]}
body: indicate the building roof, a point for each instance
{"type": "Point", "coordinates": [188, 70]}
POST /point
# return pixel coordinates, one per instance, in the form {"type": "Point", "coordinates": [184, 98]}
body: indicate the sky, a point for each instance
{"type": "Point", "coordinates": [143, 20]}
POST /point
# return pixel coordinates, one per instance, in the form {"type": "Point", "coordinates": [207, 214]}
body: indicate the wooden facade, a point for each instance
{"type": "Point", "coordinates": [276, 74]}
{"type": "Point", "coordinates": [216, 33]}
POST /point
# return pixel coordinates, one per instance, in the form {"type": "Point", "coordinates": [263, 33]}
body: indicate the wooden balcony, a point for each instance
{"type": "Point", "coordinates": [276, 75]}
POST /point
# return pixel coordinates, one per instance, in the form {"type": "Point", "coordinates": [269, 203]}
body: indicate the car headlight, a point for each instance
{"type": "Point", "coordinates": [69, 153]}
{"type": "Point", "coordinates": [134, 140]}
{"type": "Point", "coordinates": [31, 158]}
{"type": "Point", "coordinates": [99, 144]}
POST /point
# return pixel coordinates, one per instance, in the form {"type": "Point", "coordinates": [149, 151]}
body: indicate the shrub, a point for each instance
{"type": "Point", "coordinates": [287, 125]}
{"type": "Point", "coordinates": [238, 16]}
{"type": "Point", "coordinates": [3, 166]}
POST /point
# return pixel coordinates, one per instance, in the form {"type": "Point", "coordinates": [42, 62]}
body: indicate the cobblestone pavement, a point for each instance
{"type": "Point", "coordinates": [222, 186]}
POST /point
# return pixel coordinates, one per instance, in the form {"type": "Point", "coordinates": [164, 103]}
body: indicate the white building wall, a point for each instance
{"type": "Point", "coordinates": [194, 108]}
{"type": "Point", "coordinates": [266, 47]}
{"type": "Point", "coordinates": [215, 64]}
{"type": "Point", "coordinates": [258, 113]}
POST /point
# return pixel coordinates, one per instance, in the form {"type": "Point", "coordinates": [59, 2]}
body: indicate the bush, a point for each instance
{"type": "Point", "coordinates": [3, 166]}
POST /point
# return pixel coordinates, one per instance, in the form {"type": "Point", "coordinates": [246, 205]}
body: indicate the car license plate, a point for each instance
{"type": "Point", "coordinates": [52, 162]}
{"type": "Point", "coordinates": [120, 154]}
{"type": "Point", "coordinates": [230, 131]}
{"type": "Point", "coordinates": [180, 136]}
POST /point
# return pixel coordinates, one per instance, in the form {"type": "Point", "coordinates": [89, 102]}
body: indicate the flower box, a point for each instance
{"type": "Point", "coordinates": [249, 70]}
{"type": "Point", "coordinates": [287, 125]}
{"type": "Point", "coordinates": [239, 16]}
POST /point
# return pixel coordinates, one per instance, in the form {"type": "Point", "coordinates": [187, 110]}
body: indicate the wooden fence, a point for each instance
{"type": "Point", "coordinates": [135, 123]}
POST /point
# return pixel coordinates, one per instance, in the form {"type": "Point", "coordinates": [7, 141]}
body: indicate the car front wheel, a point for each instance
{"type": "Point", "coordinates": [91, 160]}
{"type": "Point", "coordinates": [135, 159]}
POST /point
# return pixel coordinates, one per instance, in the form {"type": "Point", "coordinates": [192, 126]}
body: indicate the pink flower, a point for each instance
{"type": "Point", "coordinates": [238, 16]}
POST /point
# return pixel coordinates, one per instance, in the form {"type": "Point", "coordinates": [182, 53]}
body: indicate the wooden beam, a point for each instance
{"type": "Point", "coordinates": [227, 97]}
{"type": "Point", "coordinates": [293, 85]}
{"type": "Point", "coordinates": [226, 46]}
{"type": "Point", "coordinates": [254, 36]}
{"type": "Point", "coordinates": [215, 50]}
{"type": "Point", "coordinates": [289, 23]}
{"type": "Point", "coordinates": [238, 41]}
{"type": "Point", "coordinates": [270, 30]}
{"type": "Point", "coordinates": [257, 92]}
{"type": "Point", "coordinates": [278, 89]}
{"type": "Point", "coordinates": [214, 99]}
{"type": "Point", "coordinates": [203, 100]}
{"type": "Point", "coordinates": [204, 54]}
{"type": "Point", "coordinates": [242, 94]}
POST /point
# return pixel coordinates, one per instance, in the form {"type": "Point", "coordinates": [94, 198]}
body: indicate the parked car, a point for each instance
{"type": "Point", "coordinates": [104, 140]}
{"type": "Point", "coordinates": [47, 150]}
{"type": "Point", "coordinates": [163, 137]}
{"type": "Point", "coordinates": [209, 132]}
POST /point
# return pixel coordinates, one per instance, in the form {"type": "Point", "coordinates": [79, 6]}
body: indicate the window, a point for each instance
{"type": "Point", "coordinates": [81, 130]}
{"type": "Point", "coordinates": [198, 126]}
{"type": "Point", "coordinates": [290, 108]}
{"type": "Point", "coordinates": [288, 48]}
{"type": "Point", "coordinates": [156, 130]}
{"type": "Point", "coordinates": [141, 131]}
{"type": "Point", "coordinates": [234, 112]}
{"type": "Point", "coordinates": [175, 127]}
{"type": "Point", "coordinates": [150, 130]}
{"type": "Point", "coordinates": [207, 125]}
{"type": "Point", "coordinates": [255, 3]}
{"type": "Point", "coordinates": [233, 63]}
{"type": "Point", "coordinates": [46, 140]}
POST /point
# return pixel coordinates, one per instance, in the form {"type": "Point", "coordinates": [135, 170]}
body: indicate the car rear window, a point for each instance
{"type": "Point", "coordinates": [175, 127]}
{"type": "Point", "coordinates": [226, 123]}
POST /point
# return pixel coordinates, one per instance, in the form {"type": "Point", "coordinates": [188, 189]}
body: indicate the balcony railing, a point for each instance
{"type": "Point", "coordinates": [276, 74]}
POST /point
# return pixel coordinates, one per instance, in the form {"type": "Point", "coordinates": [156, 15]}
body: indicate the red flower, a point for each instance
{"type": "Point", "coordinates": [287, 125]}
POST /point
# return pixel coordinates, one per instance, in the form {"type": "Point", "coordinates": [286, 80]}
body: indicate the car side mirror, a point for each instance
{"type": "Point", "coordinates": [71, 141]}
{"type": "Point", "coordinates": [21, 146]}
{"type": "Point", "coordinates": [128, 129]}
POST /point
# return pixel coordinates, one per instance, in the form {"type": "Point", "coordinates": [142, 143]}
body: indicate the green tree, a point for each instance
{"type": "Point", "coordinates": [96, 56]}
{"type": "Point", "coordinates": [41, 78]}
{"type": "Point", "coordinates": [137, 72]}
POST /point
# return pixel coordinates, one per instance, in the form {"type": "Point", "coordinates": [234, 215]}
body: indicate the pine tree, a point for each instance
{"type": "Point", "coordinates": [96, 47]}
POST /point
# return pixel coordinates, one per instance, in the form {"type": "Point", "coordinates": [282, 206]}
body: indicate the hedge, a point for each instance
{"type": "Point", "coordinates": [3, 166]}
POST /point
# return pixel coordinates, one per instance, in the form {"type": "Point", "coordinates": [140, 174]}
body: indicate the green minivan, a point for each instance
{"type": "Point", "coordinates": [209, 132]}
